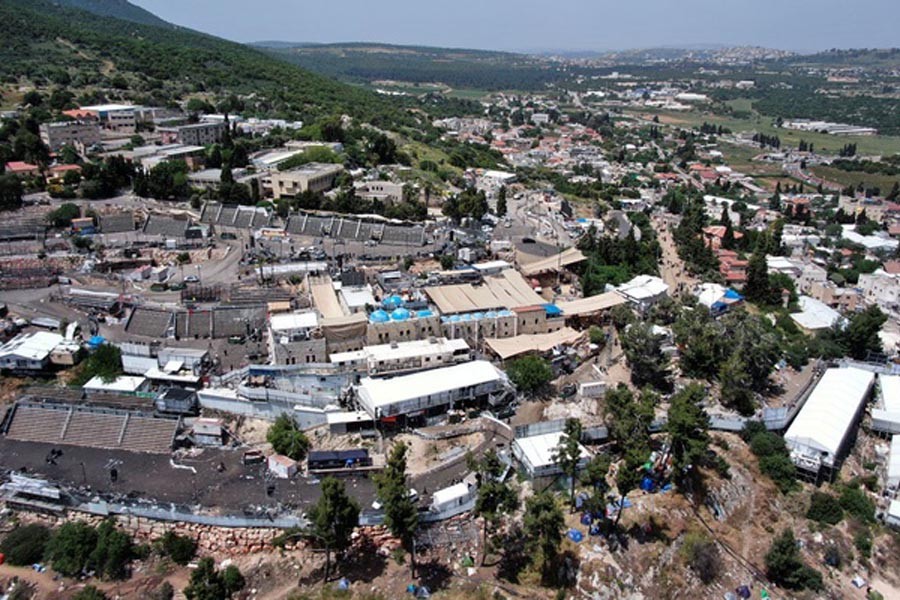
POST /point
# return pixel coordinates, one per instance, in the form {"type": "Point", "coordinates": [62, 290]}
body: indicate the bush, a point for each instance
{"type": "Point", "coordinates": [833, 557]}
{"type": "Point", "coordinates": [774, 460]}
{"type": "Point", "coordinates": [855, 501]}
{"type": "Point", "coordinates": [25, 545]}
{"type": "Point", "coordinates": [287, 439]}
{"type": "Point", "coordinates": [825, 508]}
{"type": "Point", "coordinates": [90, 593]}
{"type": "Point", "coordinates": [783, 565]}
{"type": "Point", "coordinates": [702, 555]}
{"type": "Point", "coordinates": [180, 548]}
{"type": "Point", "coordinates": [863, 542]}
{"type": "Point", "coordinates": [530, 373]}
{"type": "Point", "coordinates": [70, 548]}
{"type": "Point", "coordinates": [113, 552]}
{"type": "Point", "coordinates": [165, 591]}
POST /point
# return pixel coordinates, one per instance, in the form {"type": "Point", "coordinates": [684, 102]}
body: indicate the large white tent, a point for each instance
{"type": "Point", "coordinates": [822, 427]}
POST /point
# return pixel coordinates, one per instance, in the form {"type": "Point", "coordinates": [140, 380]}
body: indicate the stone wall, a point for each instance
{"type": "Point", "coordinates": [227, 541]}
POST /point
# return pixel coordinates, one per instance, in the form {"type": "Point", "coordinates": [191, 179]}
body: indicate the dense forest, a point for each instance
{"type": "Point", "coordinates": [52, 45]}
{"type": "Point", "coordinates": [474, 69]}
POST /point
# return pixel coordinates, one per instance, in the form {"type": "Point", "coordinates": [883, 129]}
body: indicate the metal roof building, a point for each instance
{"type": "Point", "coordinates": [818, 436]}
{"type": "Point", "coordinates": [536, 453]}
{"type": "Point", "coordinates": [418, 393]}
{"type": "Point", "coordinates": [886, 414]}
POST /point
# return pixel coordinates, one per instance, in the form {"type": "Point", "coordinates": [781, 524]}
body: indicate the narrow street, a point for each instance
{"type": "Point", "coordinates": [671, 267]}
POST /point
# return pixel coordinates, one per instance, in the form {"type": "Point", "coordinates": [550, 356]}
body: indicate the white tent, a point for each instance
{"type": "Point", "coordinates": [817, 435]}
{"type": "Point", "coordinates": [892, 481]}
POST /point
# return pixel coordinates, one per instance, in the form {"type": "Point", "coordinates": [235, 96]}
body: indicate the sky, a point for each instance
{"type": "Point", "coordinates": [531, 25]}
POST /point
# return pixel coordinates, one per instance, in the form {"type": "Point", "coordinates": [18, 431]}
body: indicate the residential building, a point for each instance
{"type": "Point", "coordinates": [78, 134]}
{"type": "Point", "coordinates": [881, 289]}
{"type": "Point", "coordinates": [194, 134]}
{"type": "Point", "coordinates": [406, 356]}
{"type": "Point", "coordinates": [388, 192]}
{"type": "Point", "coordinates": [312, 177]}
{"type": "Point", "coordinates": [29, 351]}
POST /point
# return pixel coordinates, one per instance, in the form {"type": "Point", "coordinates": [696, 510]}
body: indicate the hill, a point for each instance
{"type": "Point", "coordinates": [107, 58]}
{"type": "Point", "coordinates": [118, 9]}
{"type": "Point", "coordinates": [458, 68]}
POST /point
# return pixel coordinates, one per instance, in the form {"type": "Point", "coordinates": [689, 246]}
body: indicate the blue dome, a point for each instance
{"type": "Point", "coordinates": [490, 315]}
{"type": "Point", "coordinates": [478, 316]}
{"type": "Point", "coordinates": [379, 316]}
{"type": "Point", "coordinates": [392, 301]}
{"type": "Point", "coordinates": [424, 313]}
{"type": "Point", "coordinates": [454, 318]}
{"type": "Point", "coordinates": [399, 314]}
{"type": "Point", "coordinates": [466, 317]}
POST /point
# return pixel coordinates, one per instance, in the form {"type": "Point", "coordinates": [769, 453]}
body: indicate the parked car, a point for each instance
{"type": "Point", "coordinates": [227, 235]}
{"type": "Point", "coordinates": [237, 339]}
{"type": "Point", "coordinates": [191, 279]}
{"type": "Point", "coordinates": [413, 496]}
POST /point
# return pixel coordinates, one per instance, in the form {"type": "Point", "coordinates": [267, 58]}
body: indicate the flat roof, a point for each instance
{"type": "Point", "coordinates": [449, 494]}
{"type": "Point", "coordinates": [122, 383]}
{"type": "Point", "coordinates": [505, 290]}
{"type": "Point", "coordinates": [291, 321]}
{"type": "Point", "coordinates": [822, 424]}
{"type": "Point", "coordinates": [538, 450]}
{"type": "Point", "coordinates": [402, 350]}
{"type": "Point", "coordinates": [356, 297]}
{"type": "Point", "coordinates": [352, 416]}
{"type": "Point", "coordinates": [384, 392]}
{"type": "Point", "coordinates": [890, 392]}
{"type": "Point", "coordinates": [326, 300]}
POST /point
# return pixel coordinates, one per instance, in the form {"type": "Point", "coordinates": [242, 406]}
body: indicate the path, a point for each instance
{"type": "Point", "coordinates": [672, 268]}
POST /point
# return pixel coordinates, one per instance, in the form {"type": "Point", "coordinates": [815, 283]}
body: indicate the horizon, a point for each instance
{"type": "Point", "coordinates": [510, 26]}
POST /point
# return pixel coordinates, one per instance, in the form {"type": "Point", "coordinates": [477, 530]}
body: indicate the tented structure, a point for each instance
{"type": "Point", "coordinates": [823, 427]}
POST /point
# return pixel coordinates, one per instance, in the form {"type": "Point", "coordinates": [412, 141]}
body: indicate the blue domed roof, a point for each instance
{"type": "Point", "coordinates": [424, 313]}
{"type": "Point", "coordinates": [490, 315]}
{"type": "Point", "coordinates": [478, 316]}
{"type": "Point", "coordinates": [392, 301]}
{"type": "Point", "coordinates": [400, 314]}
{"type": "Point", "coordinates": [379, 316]}
{"type": "Point", "coordinates": [454, 318]}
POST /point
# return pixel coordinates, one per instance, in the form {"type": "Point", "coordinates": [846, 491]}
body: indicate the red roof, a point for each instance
{"type": "Point", "coordinates": [64, 168]}
{"type": "Point", "coordinates": [892, 267]}
{"type": "Point", "coordinates": [17, 166]}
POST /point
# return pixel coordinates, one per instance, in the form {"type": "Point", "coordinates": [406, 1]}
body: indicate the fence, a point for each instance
{"type": "Point", "coordinates": [177, 514]}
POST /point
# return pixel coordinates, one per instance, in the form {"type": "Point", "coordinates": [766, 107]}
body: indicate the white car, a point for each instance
{"type": "Point", "coordinates": [413, 496]}
{"type": "Point", "coordinates": [191, 279]}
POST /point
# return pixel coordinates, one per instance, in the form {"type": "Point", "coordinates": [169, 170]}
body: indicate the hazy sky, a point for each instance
{"type": "Point", "coordinates": [541, 25]}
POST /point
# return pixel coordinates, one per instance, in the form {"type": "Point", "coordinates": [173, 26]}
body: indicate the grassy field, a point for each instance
{"type": "Point", "coordinates": [865, 144]}
{"type": "Point", "coordinates": [845, 178]}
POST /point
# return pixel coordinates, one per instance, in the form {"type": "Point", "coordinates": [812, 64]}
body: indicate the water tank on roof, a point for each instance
{"type": "Point", "coordinates": [400, 314]}
{"type": "Point", "coordinates": [379, 316]}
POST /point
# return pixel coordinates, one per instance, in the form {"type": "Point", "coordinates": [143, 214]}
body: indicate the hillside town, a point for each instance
{"type": "Point", "coordinates": [575, 343]}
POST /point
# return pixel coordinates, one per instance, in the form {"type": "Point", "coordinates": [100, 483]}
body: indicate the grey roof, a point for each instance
{"type": "Point", "coordinates": [117, 222]}
{"type": "Point", "coordinates": [166, 226]}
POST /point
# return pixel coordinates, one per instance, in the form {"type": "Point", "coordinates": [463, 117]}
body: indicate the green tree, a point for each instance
{"type": "Point", "coordinates": [501, 202]}
{"type": "Point", "coordinates": [69, 550]}
{"type": "Point", "coordinates": [25, 545]}
{"type": "Point", "coordinates": [113, 552]}
{"type": "Point", "coordinates": [10, 192]}
{"type": "Point", "coordinates": [860, 336]}
{"type": "Point", "coordinates": [333, 519]}
{"type": "Point", "coordinates": [62, 216]}
{"type": "Point", "coordinates": [784, 566]}
{"type": "Point", "coordinates": [104, 362]}
{"type": "Point", "coordinates": [544, 523]}
{"type": "Point", "coordinates": [825, 508]}
{"type": "Point", "coordinates": [287, 438]}
{"type": "Point", "coordinates": [567, 455]}
{"type": "Point", "coordinates": [529, 374]}
{"type": "Point", "coordinates": [757, 287]}
{"type": "Point", "coordinates": [494, 497]}
{"type": "Point", "coordinates": [207, 583]}
{"type": "Point", "coordinates": [643, 350]}
{"type": "Point", "coordinates": [180, 548]}
{"type": "Point", "coordinates": [687, 426]}
{"type": "Point", "coordinates": [628, 420]}
{"type": "Point", "coordinates": [391, 487]}
{"type": "Point", "coordinates": [736, 385]}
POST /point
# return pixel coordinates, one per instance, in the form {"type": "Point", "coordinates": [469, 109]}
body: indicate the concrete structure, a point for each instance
{"type": "Point", "coordinates": [313, 177]}
{"type": "Point", "coordinates": [536, 454]}
{"type": "Point", "coordinates": [823, 429]}
{"type": "Point", "coordinates": [404, 356]}
{"type": "Point", "coordinates": [880, 288]}
{"type": "Point", "coordinates": [431, 392]}
{"type": "Point", "coordinates": [452, 497]}
{"type": "Point", "coordinates": [123, 384]}
{"type": "Point", "coordinates": [644, 291]}
{"type": "Point", "coordinates": [282, 467]}
{"type": "Point", "coordinates": [291, 339]}
{"type": "Point", "coordinates": [195, 134]}
{"type": "Point", "coordinates": [78, 134]}
{"type": "Point", "coordinates": [388, 192]}
{"type": "Point", "coordinates": [886, 412]}
{"type": "Point", "coordinates": [892, 472]}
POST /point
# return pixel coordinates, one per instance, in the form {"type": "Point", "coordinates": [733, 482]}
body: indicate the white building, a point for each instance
{"type": "Point", "coordinates": [815, 315]}
{"type": "Point", "coordinates": [892, 473]}
{"type": "Point", "coordinates": [820, 433]}
{"type": "Point", "coordinates": [886, 413]}
{"type": "Point", "coordinates": [869, 242]}
{"type": "Point", "coordinates": [880, 288]}
{"type": "Point", "coordinates": [123, 384]}
{"type": "Point", "coordinates": [29, 351]}
{"type": "Point", "coordinates": [644, 291]}
{"type": "Point", "coordinates": [431, 392]}
{"type": "Point", "coordinates": [536, 453]}
{"type": "Point", "coordinates": [415, 355]}
{"type": "Point", "coordinates": [281, 466]}
{"type": "Point", "coordinates": [452, 497]}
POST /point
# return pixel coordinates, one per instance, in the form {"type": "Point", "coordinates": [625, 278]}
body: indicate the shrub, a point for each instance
{"type": "Point", "coordinates": [702, 555]}
{"type": "Point", "coordinates": [70, 548]}
{"type": "Point", "coordinates": [863, 542]}
{"type": "Point", "coordinates": [530, 373]}
{"type": "Point", "coordinates": [113, 552]}
{"type": "Point", "coordinates": [90, 593]}
{"type": "Point", "coordinates": [287, 439]}
{"type": "Point", "coordinates": [25, 545]}
{"type": "Point", "coordinates": [180, 548]}
{"type": "Point", "coordinates": [855, 501]}
{"type": "Point", "coordinates": [783, 565]}
{"type": "Point", "coordinates": [825, 508]}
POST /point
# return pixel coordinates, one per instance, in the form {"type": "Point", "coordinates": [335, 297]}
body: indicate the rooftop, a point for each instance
{"type": "Point", "coordinates": [383, 392]}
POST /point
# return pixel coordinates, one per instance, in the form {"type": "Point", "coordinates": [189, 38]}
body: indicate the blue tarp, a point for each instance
{"type": "Point", "coordinates": [733, 295]}
{"type": "Point", "coordinates": [586, 519]}
{"type": "Point", "coordinates": [575, 535]}
{"type": "Point", "coordinates": [552, 310]}
{"type": "Point", "coordinates": [96, 341]}
{"type": "Point", "coordinates": [343, 584]}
